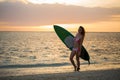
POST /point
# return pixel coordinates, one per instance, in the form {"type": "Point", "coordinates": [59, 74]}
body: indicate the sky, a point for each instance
{"type": "Point", "coordinates": [41, 15]}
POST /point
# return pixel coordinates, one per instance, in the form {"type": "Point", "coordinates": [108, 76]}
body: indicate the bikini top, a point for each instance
{"type": "Point", "coordinates": [77, 39]}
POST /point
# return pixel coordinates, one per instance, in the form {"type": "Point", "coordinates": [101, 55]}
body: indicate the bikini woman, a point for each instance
{"type": "Point", "coordinates": [76, 51]}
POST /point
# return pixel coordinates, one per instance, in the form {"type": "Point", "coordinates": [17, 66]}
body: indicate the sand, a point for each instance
{"type": "Point", "coordinates": [92, 72]}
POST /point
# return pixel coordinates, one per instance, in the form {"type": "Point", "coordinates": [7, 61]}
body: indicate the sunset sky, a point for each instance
{"type": "Point", "coordinates": [41, 15]}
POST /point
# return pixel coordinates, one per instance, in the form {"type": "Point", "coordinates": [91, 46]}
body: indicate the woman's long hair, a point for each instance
{"type": "Point", "coordinates": [83, 31]}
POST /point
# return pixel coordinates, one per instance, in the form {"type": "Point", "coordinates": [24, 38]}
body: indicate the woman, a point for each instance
{"type": "Point", "coordinates": [78, 40]}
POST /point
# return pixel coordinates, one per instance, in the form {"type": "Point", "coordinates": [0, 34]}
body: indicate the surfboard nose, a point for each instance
{"type": "Point", "coordinates": [55, 26]}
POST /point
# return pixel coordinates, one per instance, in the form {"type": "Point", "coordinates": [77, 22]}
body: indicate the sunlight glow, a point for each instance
{"type": "Point", "coordinates": [86, 3]}
{"type": "Point", "coordinates": [70, 27]}
{"type": "Point", "coordinates": [54, 1]}
{"type": "Point", "coordinates": [92, 27]}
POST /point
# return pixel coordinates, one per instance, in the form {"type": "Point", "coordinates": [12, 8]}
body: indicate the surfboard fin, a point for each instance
{"type": "Point", "coordinates": [88, 62]}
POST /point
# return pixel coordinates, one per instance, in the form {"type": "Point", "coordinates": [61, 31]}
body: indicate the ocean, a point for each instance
{"type": "Point", "coordinates": [45, 49]}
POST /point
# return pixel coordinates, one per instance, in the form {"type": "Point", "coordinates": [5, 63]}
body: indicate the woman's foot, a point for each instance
{"type": "Point", "coordinates": [75, 68]}
{"type": "Point", "coordinates": [78, 69]}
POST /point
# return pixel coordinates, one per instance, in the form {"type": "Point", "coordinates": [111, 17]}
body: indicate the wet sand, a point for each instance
{"type": "Point", "coordinates": [84, 75]}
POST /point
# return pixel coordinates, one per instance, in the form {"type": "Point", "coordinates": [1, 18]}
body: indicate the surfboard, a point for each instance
{"type": "Point", "coordinates": [67, 38]}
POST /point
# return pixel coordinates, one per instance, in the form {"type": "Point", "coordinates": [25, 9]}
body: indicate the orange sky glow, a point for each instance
{"type": "Point", "coordinates": [35, 15]}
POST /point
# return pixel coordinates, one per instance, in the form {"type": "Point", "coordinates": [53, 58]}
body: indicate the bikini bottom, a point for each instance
{"type": "Point", "coordinates": [75, 49]}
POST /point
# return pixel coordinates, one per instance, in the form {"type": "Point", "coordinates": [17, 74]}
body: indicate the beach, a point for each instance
{"type": "Point", "coordinates": [36, 56]}
{"type": "Point", "coordinates": [92, 72]}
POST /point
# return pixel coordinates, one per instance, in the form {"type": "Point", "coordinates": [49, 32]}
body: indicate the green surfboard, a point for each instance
{"type": "Point", "coordinates": [67, 39]}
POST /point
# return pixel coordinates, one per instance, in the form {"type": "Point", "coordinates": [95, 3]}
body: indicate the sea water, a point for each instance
{"type": "Point", "coordinates": [44, 49]}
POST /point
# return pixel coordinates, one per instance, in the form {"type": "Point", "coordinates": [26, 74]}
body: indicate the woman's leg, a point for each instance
{"type": "Point", "coordinates": [78, 61]}
{"type": "Point", "coordinates": [71, 59]}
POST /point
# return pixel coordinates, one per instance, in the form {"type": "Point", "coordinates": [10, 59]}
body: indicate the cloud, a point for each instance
{"type": "Point", "coordinates": [24, 1]}
{"type": "Point", "coordinates": [20, 14]}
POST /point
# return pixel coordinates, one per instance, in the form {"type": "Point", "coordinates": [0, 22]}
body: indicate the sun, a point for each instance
{"type": "Point", "coordinates": [71, 27]}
